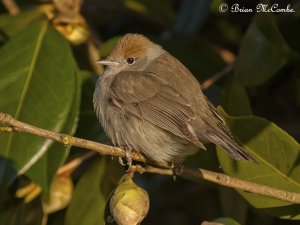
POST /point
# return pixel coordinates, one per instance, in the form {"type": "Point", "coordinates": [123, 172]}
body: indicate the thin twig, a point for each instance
{"type": "Point", "coordinates": [217, 76]}
{"type": "Point", "coordinates": [227, 181]}
{"type": "Point", "coordinates": [214, 177]}
{"type": "Point", "coordinates": [11, 7]}
{"type": "Point", "coordinates": [69, 167]}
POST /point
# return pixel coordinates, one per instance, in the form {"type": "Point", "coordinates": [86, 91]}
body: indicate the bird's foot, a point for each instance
{"type": "Point", "coordinates": [121, 161]}
{"type": "Point", "coordinates": [176, 169]}
{"type": "Point", "coordinates": [128, 157]}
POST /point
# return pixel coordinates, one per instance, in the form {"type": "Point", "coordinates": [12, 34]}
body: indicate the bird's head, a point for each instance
{"type": "Point", "coordinates": [132, 52]}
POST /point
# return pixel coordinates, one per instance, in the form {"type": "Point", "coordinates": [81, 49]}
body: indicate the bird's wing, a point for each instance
{"type": "Point", "coordinates": [150, 98]}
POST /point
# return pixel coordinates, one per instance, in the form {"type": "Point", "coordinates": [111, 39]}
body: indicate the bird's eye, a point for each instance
{"type": "Point", "coordinates": [130, 61]}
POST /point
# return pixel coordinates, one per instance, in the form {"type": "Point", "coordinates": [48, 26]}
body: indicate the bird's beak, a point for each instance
{"type": "Point", "coordinates": [108, 62]}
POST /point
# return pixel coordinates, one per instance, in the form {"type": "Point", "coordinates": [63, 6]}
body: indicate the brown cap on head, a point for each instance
{"type": "Point", "coordinates": [131, 45]}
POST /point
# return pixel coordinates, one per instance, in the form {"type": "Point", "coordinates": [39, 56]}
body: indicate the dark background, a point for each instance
{"type": "Point", "coordinates": [264, 82]}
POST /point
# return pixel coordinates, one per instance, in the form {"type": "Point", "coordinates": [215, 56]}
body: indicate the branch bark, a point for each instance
{"type": "Point", "coordinates": [11, 7]}
{"type": "Point", "coordinates": [217, 76]}
{"type": "Point", "coordinates": [199, 173]}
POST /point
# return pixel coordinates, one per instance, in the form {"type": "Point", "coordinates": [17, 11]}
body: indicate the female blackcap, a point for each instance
{"type": "Point", "coordinates": [149, 101]}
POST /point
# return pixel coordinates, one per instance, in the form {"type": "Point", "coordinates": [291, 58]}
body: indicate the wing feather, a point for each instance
{"type": "Point", "coordinates": [150, 98]}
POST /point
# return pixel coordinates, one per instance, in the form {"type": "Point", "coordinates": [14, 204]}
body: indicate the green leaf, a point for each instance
{"type": "Point", "coordinates": [88, 202]}
{"type": "Point", "coordinates": [226, 221]}
{"type": "Point", "coordinates": [263, 51]}
{"type": "Point", "coordinates": [11, 25]}
{"type": "Point", "coordinates": [234, 99]}
{"type": "Point", "coordinates": [38, 85]}
{"type": "Point", "coordinates": [57, 152]}
{"type": "Point", "coordinates": [277, 153]}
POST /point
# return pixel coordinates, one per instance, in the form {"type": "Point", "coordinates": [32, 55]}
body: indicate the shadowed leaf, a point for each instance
{"type": "Point", "coordinates": [263, 51]}
{"type": "Point", "coordinates": [234, 99]}
{"type": "Point", "coordinates": [88, 202]}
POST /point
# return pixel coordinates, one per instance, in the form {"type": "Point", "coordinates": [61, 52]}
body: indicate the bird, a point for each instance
{"type": "Point", "coordinates": [147, 100]}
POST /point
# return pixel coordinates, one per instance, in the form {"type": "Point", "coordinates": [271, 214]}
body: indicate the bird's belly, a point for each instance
{"type": "Point", "coordinates": [157, 144]}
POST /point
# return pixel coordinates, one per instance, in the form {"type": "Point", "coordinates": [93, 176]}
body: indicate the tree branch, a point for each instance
{"type": "Point", "coordinates": [217, 76]}
{"type": "Point", "coordinates": [11, 7]}
{"type": "Point", "coordinates": [199, 173]}
{"type": "Point", "coordinates": [65, 139]}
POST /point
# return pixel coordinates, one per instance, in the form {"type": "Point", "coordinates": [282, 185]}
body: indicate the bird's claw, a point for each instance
{"type": "Point", "coordinates": [176, 168]}
{"type": "Point", "coordinates": [121, 161]}
{"type": "Point", "coordinates": [128, 158]}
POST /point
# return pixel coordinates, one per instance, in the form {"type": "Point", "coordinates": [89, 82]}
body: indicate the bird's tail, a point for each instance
{"type": "Point", "coordinates": [224, 139]}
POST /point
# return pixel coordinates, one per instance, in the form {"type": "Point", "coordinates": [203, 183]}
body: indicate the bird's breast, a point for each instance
{"type": "Point", "coordinates": [109, 115]}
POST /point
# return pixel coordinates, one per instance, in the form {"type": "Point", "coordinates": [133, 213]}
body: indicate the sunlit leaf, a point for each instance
{"type": "Point", "coordinates": [11, 25]}
{"type": "Point", "coordinates": [277, 153]}
{"type": "Point", "coordinates": [226, 221]}
{"type": "Point", "coordinates": [38, 85]}
{"type": "Point", "coordinates": [57, 152]}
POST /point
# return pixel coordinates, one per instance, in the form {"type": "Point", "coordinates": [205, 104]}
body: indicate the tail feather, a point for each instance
{"type": "Point", "coordinates": [225, 140]}
{"type": "Point", "coordinates": [221, 136]}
